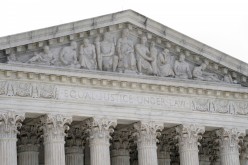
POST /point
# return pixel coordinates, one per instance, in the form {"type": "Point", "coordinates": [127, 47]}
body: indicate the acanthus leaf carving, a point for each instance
{"type": "Point", "coordinates": [54, 126]}
{"type": "Point", "coordinates": [100, 127]}
{"type": "Point", "coordinates": [229, 139]}
{"type": "Point", "coordinates": [147, 132]}
{"type": "Point", "coordinates": [10, 121]}
{"type": "Point", "coordinates": [188, 136]}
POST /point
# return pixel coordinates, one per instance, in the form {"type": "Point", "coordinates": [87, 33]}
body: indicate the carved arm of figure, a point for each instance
{"type": "Point", "coordinates": [111, 52]}
{"type": "Point", "coordinates": [119, 49]}
{"type": "Point", "coordinates": [98, 52]}
{"type": "Point", "coordinates": [61, 56]}
{"type": "Point", "coordinates": [143, 55]}
{"type": "Point", "coordinates": [162, 58]}
{"type": "Point", "coordinates": [188, 72]}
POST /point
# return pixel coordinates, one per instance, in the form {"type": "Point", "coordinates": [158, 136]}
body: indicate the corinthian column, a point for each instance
{"type": "Point", "coordinates": [54, 126]}
{"type": "Point", "coordinates": [164, 149]}
{"type": "Point", "coordinates": [120, 148]}
{"type": "Point", "coordinates": [9, 122]}
{"type": "Point", "coordinates": [100, 129]}
{"type": "Point", "coordinates": [188, 136]}
{"type": "Point", "coordinates": [229, 147]}
{"type": "Point", "coordinates": [28, 146]}
{"type": "Point", "coordinates": [146, 141]}
{"type": "Point", "coordinates": [74, 150]}
{"type": "Point", "coordinates": [244, 152]}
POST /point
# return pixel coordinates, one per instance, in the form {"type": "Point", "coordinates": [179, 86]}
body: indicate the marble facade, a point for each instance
{"type": "Point", "coordinates": [120, 89]}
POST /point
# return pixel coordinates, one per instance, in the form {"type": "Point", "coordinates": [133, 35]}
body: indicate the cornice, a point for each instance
{"type": "Point", "coordinates": [111, 80]}
{"type": "Point", "coordinates": [186, 43]}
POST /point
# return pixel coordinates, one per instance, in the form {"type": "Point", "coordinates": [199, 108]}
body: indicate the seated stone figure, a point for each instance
{"type": "Point", "coordinates": [68, 56]}
{"type": "Point", "coordinates": [154, 56]}
{"type": "Point", "coordinates": [107, 53]}
{"type": "Point", "coordinates": [165, 68]}
{"type": "Point", "coordinates": [143, 57]}
{"type": "Point", "coordinates": [12, 59]}
{"type": "Point", "coordinates": [88, 55]}
{"type": "Point", "coordinates": [45, 57]}
{"type": "Point", "coordinates": [181, 68]}
{"type": "Point", "coordinates": [125, 50]}
{"type": "Point", "coordinates": [200, 74]}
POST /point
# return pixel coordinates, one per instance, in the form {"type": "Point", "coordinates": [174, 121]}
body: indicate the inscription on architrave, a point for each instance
{"type": "Point", "coordinates": [123, 98]}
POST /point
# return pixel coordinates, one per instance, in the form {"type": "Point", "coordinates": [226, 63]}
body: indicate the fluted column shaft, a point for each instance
{"type": "Point", "coordinates": [163, 158]}
{"type": "Point", "coordinates": [120, 157]}
{"type": "Point", "coordinates": [54, 138]}
{"type": "Point", "coordinates": [8, 137]}
{"type": "Point", "coordinates": [74, 155]}
{"type": "Point", "coordinates": [28, 155]}
{"type": "Point", "coordinates": [147, 142]}
{"type": "Point", "coordinates": [188, 136]}
{"type": "Point", "coordinates": [229, 147]}
{"type": "Point", "coordinates": [100, 129]}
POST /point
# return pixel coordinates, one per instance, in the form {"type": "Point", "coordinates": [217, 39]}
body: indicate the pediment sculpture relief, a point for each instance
{"type": "Point", "coordinates": [122, 53]}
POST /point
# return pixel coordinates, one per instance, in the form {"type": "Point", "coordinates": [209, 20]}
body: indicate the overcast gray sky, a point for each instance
{"type": "Point", "coordinates": [222, 24]}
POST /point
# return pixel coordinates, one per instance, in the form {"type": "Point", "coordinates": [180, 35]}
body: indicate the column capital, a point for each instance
{"type": "Point", "coordinates": [244, 150]}
{"type": "Point", "coordinates": [189, 132]}
{"type": "Point", "coordinates": [121, 142]}
{"type": "Point", "coordinates": [29, 138]}
{"type": "Point", "coordinates": [10, 121]}
{"type": "Point", "coordinates": [230, 138]}
{"type": "Point", "coordinates": [100, 127]}
{"type": "Point", "coordinates": [148, 131]}
{"type": "Point", "coordinates": [76, 136]}
{"type": "Point", "coordinates": [54, 125]}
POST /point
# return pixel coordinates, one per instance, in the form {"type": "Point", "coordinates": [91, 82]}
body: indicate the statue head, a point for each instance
{"type": "Point", "coordinates": [86, 42]}
{"type": "Point", "coordinates": [152, 44]}
{"type": "Point", "coordinates": [46, 49]}
{"type": "Point", "coordinates": [107, 37]}
{"type": "Point", "coordinates": [143, 40]}
{"type": "Point", "coordinates": [125, 33]}
{"type": "Point", "coordinates": [181, 57]}
{"type": "Point", "coordinates": [166, 51]}
{"type": "Point", "coordinates": [203, 66]}
{"type": "Point", "coordinates": [74, 45]}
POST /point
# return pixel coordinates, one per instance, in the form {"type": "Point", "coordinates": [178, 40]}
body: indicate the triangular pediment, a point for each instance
{"type": "Point", "coordinates": [124, 43]}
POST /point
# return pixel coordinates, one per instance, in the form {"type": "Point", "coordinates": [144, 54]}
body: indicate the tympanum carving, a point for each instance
{"type": "Point", "coordinates": [124, 53]}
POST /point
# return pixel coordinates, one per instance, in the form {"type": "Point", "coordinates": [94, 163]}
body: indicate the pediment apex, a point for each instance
{"type": "Point", "coordinates": [198, 51]}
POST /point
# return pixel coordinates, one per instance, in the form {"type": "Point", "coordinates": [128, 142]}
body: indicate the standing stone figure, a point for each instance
{"type": "Point", "coordinates": [199, 74]}
{"type": "Point", "coordinates": [107, 47]}
{"type": "Point", "coordinates": [125, 52]}
{"type": "Point", "coordinates": [12, 58]}
{"type": "Point", "coordinates": [45, 57]}
{"type": "Point", "coordinates": [143, 57]}
{"type": "Point", "coordinates": [181, 68]}
{"type": "Point", "coordinates": [154, 56]}
{"type": "Point", "coordinates": [88, 55]}
{"type": "Point", "coordinates": [98, 52]}
{"type": "Point", "coordinates": [165, 68]}
{"type": "Point", "coordinates": [68, 56]}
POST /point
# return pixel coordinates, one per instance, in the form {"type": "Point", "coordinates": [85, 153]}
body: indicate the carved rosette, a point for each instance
{"type": "Point", "coordinates": [229, 144]}
{"type": "Point", "coordinates": [9, 123]}
{"type": "Point", "coordinates": [188, 136]}
{"type": "Point", "coordinates": [54, 126]}
{"type": "Point", "coordinates": [100, 128]}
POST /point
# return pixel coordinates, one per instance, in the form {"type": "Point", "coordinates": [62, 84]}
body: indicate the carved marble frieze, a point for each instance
{"type": "Point", "coordinates": [27, 89]}
{"type": "Point", "coordinates": [166, 102]}
{"type": "Point", "coordinates": [123, 51]}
